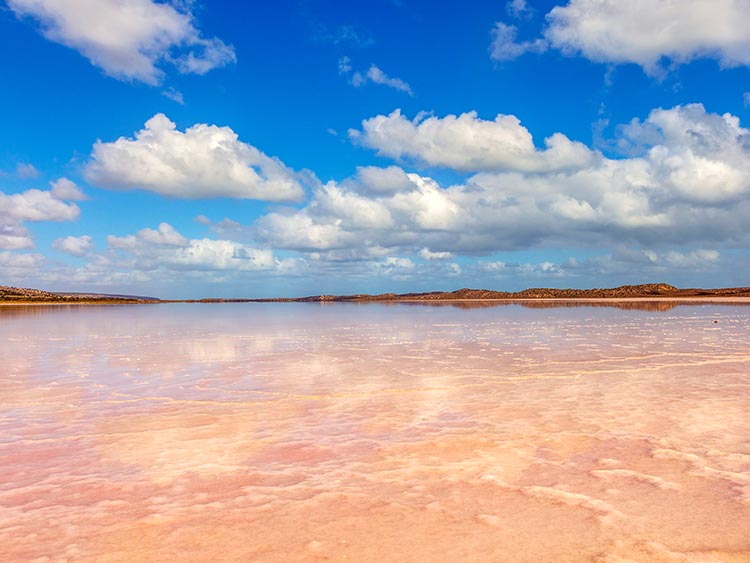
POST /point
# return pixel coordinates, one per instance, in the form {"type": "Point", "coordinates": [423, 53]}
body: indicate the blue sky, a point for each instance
{"type": "Point", "coordinates": [192, 149]}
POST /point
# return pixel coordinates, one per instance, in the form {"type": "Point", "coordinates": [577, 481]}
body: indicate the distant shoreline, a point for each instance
{"type": "Point", "coordinates": [706, 299]}
{"type": "Point", "coordinates": [627, 293]}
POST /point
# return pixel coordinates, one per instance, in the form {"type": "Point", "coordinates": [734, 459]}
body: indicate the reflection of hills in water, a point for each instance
{"type": "Point", "coordinates": [630, 305]}
{"type": "Point", "coordinates": [654, 306]}
{"type": "Point", "coordinates": [43, 309]}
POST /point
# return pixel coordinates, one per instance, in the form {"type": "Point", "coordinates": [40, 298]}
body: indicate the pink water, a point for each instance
{"type": "Point", "coordinates": [300, 432]}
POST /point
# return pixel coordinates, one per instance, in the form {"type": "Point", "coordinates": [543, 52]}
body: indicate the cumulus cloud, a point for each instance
{"type": "Point", "coordinates": [164, 235]}
{"type": "Point", "coordinates": [14, 263]}
{"type": "Point", "coordinates": [504, 46]}
{"type": "Point", "coordinates": [75, 246]}
{"type": "Point", "coordinates": [67, 190]}
{"type": "Point", "coordinates": [152, 258]}
{"type": "Point", "coordinates": [204, 161]}
{"type": "Point", "coordinates": [394, 267]}
{"type": "Point", "coordinates": [688, 182]}
{"type": "Point", "coordinates": [624, 263]}
{"type": "Point", "coordinates": [128, 39]}
{"type": "Point", "coordinates": [468, 143]}
{"type": "Point", "coordinates": [341, 218]}
{"type": "Point", "coordinates": [696, 155]}
{"type": "Point", "coordinates": [692, 260]}
{"type": "Point", "coordinates": [166, 249]}
{"type": "Point", "coordinates": [221, 255]}
{"type": "Point", "coordinates": [646, 31]}
{"type": "Point", "coordinates": [14, 236]}
{"type": "Point", "coordinates": [31, 205]}
{"type": "Point", "coordinates": [35, 205]}
{"type": "Point", "coordinates": [635, 263]}
{"type": "Point", "coordinates": [678, 195]}
{"type": "Point", "coordinates": [383, 180]}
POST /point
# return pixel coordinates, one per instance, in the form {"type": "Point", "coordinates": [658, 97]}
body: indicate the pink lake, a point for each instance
{"type": "Point", "coordinates": [306, 432]}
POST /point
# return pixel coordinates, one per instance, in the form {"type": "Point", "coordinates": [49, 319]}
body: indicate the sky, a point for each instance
{"type": "Point", "coordinates": [188, 149]}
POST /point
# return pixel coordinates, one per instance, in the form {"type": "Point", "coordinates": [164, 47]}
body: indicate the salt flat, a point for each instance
{"type": "Point", "coordinates": [374, 432]}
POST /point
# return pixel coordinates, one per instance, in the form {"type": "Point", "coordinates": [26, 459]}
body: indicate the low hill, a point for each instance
{"type": "Point", "coordinates": [9, 294]}
{"type": "Point", "coordinates": [623, 292]}
{"type": "Point", "coordinates": [651, 290]}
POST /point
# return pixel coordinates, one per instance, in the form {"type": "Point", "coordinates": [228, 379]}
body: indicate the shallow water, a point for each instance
{"type": "Point", "coordinates": [303, 432]}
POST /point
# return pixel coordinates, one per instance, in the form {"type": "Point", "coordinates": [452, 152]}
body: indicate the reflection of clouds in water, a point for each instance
{"type": "Point", "coordinates": [202, 421]}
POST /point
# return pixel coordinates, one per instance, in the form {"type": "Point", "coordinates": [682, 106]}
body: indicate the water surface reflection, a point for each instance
{"type": "Point", "coordinates": [284, 432]}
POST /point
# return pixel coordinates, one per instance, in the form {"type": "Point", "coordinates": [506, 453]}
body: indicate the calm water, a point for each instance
{"type": "Point", "coordinates": [302, 432]}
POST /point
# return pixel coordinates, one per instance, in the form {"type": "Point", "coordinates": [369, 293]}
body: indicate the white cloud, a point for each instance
{"type": "Point", "coordinates": [377, 76]}
{"type": "Point", "coordinates": [128, 39]}
{"type": "Point", "coordinates": [695, 155]}
{"type": "Point", "coordinates": [696, 259]}
{"type": "Point", "coordinates": [345, 65]}
{"type": "Point", "coordinates": [75, 246]}
{"type": "Point", "coordinates": [13, 263]}
{"type": "Point", "coordinates": [383, 180]}
{"type": "Point", "coordinates": [164, 248]}
{"type": "Point", "coordinates": [374, 75]}
{"type": "Point", "coordinates": [625, 261]}
{"type": "Point", "coordinates": [496, 266]}
{"type": "Point", "coordinates": [204, 161]}
{"type": "Point", "coordinates": [623, 265]}
{"type": "Point", "coordinates": [468, 143]}
{"type": "Point", "coordinates": [645, 31]}
{"type": "Point", "coordinates": [31, 205]}
{"type": "Point", "coordinates": [679, 198]}
{"type": "Point", "coordinates": [518, 8]}
{"type": "Point", "coordinates": [15, 237]}
{"type": "Point", "coordinates": [504, 46]}
{"type": "Point", "coordinates": [394, 266]}
{"type": "Point", "coordinates": [340, 218]}
{"type": "Point", "coordinates": [154, 258]}
{"type": "Point", "coordinates": [221, 255]}
{"type": "Point", "coordinates": [688, 183]}
{"type": "Point", "coordinates": [165, 235]}
{"type": "Point", "coordinates": [65, 189]}
{"type": "Point", "coordinates": [26, 171]}
{"type": "Point", "coordinates": [746, 99]}
{"type": "Point", "coordinates": [35, 205]}
{"type": "Point", "coordinates": [174, 95]}
{"type": "Point", "coordinates": [427, 254]}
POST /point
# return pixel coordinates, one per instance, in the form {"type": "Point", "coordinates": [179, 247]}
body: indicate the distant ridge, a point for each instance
{"type": "Point", "coordinates": [654, 290]}
{"type": "Point", "coordinates": [11, 294]}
